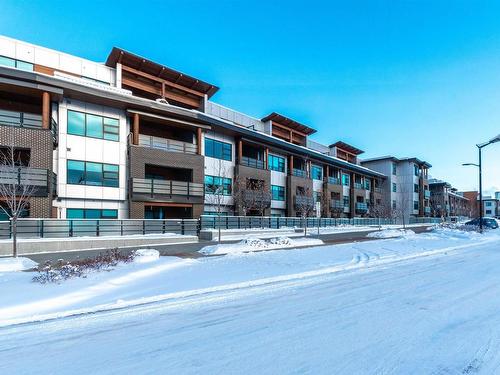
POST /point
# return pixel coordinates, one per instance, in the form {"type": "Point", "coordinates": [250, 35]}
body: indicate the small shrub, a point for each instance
{"type": "Point", "coordinates": [61, 271]}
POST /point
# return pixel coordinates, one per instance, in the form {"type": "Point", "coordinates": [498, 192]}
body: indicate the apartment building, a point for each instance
{"type": "Point", "coordinates": [491, 206]}
{"type": "Point", "coordinates": [445, 201]}
{"type": "Point", "coordinates": [132, 138]}
{"type": "Point", "coordinates": [406, 188]}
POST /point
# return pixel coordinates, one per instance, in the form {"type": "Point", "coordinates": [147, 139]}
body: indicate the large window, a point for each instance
{"type": "Point", "coordinates": [415, 205]}
{"type": "Point", "coordinates": [346, 181]}
{"type": "Point", "coordinates": [276, 163]}
{"type": "Point", "coordinates": [394, 168]}
{"type": "Point", "coordinates": [367, 184]}
{"type": "Point", "coordinates": [13, 63]}
{"type": "Point", "coordinates": [316, 172]}
{"type": "Point", "coordinates": [218, 149]}
{"type": "Point", "coordinates": [93, 174]}
{"type": "Point", "coordinates": [88, 213]}
{"type": "Point", "coordinates": [277, 193]}
{"type": "Point", "coordinates": [88, 125]}
{"type": "Point", "coordinates": [394, 187]}
{"type": "Point", "coordinates": [416, 169]}
{"type": "Point", "coordinates": [415, 188]}
{"type": "Point", "coordinates": [214, 183]}
{"type": "Point", "coordinates": [346, 200]}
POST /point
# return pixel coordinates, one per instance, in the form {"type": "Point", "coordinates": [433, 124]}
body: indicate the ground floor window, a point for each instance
{"type": "Point", "coordinates": [167, 212]}
{"type": "Point", "coordinates": [90, 213]}
{"type": "Point", "coordinates": [211, 213]}
{"type": "Point", "coordinates": [5, 212]}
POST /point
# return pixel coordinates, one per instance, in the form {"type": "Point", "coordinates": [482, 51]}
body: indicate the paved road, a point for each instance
{"type": "Point", "coordinates": [191, 249]}
{"type": "Point", "coordinates": [430, 315]}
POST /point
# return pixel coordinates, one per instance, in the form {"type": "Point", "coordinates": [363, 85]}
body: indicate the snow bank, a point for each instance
{"type": "Point", "coordinates": [146, 255]}
{"type": "Point", "coordinates": [251, 244]}
{"type": "Point", "coordinates": [391, 233]}
{"type": "Point", "coordinates": [16, 264]}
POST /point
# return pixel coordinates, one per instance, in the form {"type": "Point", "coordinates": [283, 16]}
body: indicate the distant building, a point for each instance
{"type": "Point", "coordinates": [445, 201]}
{"type": "Point", "coordinates": [491, 206]}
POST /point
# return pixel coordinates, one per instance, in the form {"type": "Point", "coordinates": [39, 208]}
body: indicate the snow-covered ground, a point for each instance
{"type": "Point", "coordinates": [257, 244]}
{"type": "Point", "coordinates": [418, 304]}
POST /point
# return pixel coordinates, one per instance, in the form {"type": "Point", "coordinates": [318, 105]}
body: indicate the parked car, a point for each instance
{"type": "Point", "coordinates": [487, 223]}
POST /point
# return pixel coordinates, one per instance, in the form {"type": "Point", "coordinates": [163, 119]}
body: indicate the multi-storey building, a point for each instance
{"type": "Point", "coordinates": [132, 138]}
{"type": "Point", "coordinates": [406, 188]}
{"type": "Point", "coordinates": [491, 206]}
{"type": "Point", "coordinates": [445, 201]}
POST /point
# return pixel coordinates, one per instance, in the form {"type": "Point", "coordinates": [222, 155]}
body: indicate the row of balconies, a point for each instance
{"type": "Point", "coordinates": [32, 181]}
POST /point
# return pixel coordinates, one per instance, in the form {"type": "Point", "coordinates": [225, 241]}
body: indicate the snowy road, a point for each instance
{"type": "Point", "coordinates": [427, 315]}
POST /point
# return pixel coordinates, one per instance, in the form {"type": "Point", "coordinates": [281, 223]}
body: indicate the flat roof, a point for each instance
{"type": "Point", "coordinates": [288, 122]}
{"type": "Point", "coordinates": [347, 147]}
{"type": "Point", "coordinates": [119, 55]}
{"type": "Point", "coordinates": [390, 157]}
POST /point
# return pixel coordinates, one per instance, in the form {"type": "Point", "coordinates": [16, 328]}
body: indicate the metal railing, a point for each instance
{"type": "Point", "coordinates": [299, 173]}
{"type": "Point", "coordinates": [302, 200]}
{"type": "Point", "coordinates": [358, 185]}
{"type": "Point", "coordinates": [334, 180]}
{"type": "Point", "coordinates": [336, 204]}
{"type": "Point", "coordinates": [63, 228]}
{"type": "Point", "coordinates": [154, 187]}
{"type": "Point", "coordinates": [37, 178]}
{"type": "Point", "coordinates": [427, 209]}
{"type": "Point", "coordinates": [427, 193]}
{"type": "Point", "coordinates": [362, 207]}
{"type": "Point", "coordinates": [257, 196]}
{"type": "Point", "coordinates": [167, 144]}
{"type": "Point", "coordinates": [27, 120]}
{"type": "Point", "coordinates": [378, 190]}
{"type": "Point", "coordinates": [251, 162]}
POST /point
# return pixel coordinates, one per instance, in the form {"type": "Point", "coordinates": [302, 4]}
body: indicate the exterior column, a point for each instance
{"type": "Point", "coordinates": [118, 75]}
{"type": "Point", "coordinates": [135, 130]}
{"type": "Point", "coordinates": [240, 150]}
{"type": "Point", "coordinates": [290, 165]}
{"type": "Point", "coordinates": [266, 158]}
{"type": "Point", "coordinates": [198, 140]}
{"type": "Point", "coordinates": [352, 198]}
{"type": "Point", "coordinates": [45, 110]}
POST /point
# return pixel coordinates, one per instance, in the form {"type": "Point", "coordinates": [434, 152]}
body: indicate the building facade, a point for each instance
{"type": "Point", "coordinates": [445, 201]}
{"type": "Point", "coordinates": [406, 188]}
{"type": "Point", "coordinates": [132, 138]}
{"type": "Point", "coordinates": [491, 206]}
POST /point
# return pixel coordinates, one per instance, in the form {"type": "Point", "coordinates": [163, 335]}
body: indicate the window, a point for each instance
{"type": "Point", "coordinates": [488, 212]}
{"type": "Point", "coordinates": [316, 172]}
{"type": "Point", "coordinates": [415, 205]}
{"type": "Point", "coordinates": [85, 213]}
{"type": "Point", "coordinates": [93, 174]}
{"type": "Point", "coordinates": [394, 168]}
{"type": "Point", "coordinates": [213, 184]}
{"type": "Point", "coordinates": [317, 196]}
{"type": "Point", "coordinates": [86, 124]}
{"type": "Point", "coordinates": [415, 188]}
{"type": "Point", "coordinates": [345, 179]}
{"type": "Point", "coordinates": [488, 204]}
{"type": "Point", "coordinates": [394, 188]}
{"type": "Point", "coordinates": [13, 63]}
{"type": "Point", "coordinates": [277, 193]}
{"type": "Point", "coordinates": [276, 163]}
{"type": "Point", "coordinates": [416, 169]}
{"type": "Point", "coordinates": [346, 201]}
{"type": "Point", "coordinates": [212, 213]}
{"type": "Point", "coordinates": [393, 205]}
{"type": "Point", "coordinates": [218, 149]}
{"type": "Point", "coordinates": [367, 184]}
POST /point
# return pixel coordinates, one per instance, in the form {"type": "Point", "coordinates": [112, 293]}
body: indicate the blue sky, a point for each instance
{"type": "Point", "coordinates": [407, 78]}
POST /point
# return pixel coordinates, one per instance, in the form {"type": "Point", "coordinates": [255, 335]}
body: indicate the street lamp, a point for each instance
{"type": "Point", "coordinates": [480, 147]}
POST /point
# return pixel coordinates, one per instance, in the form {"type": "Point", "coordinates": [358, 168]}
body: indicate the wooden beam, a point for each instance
{"type": "Point", "coordinates": [290, 166]}
{"type": "Point", "coordinates": [164, 81]}
{"type": "Point", "coordinates": [135, 129]}
{"type": "Point", "coordinates": [198, 139]}
{"type": "Point", "coordinates": [240, 150]}
{"type": "Point", "coordinates": [266, 158]}
{"type": "Point", "coordinates": [45, 110]}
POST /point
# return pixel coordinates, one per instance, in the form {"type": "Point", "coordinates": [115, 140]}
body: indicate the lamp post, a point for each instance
{"type": "Point", "coordinates": [480, 147]}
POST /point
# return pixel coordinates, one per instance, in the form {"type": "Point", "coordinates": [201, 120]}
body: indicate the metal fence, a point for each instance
{"type": "Point", "coordinates": [63, 228]}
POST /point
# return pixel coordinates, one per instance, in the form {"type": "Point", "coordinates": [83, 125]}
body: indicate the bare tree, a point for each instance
{"type": "Point", "coordinates": [305, 205]}
{"type": "Point", "coordinates": [216, 194]}
{"type": "Point", "coordinates": [403, 204]}
{"type": "Point", "coordinates": [251, 195]}
{"type": "Point", "coordinates": [380, 209]}
{"type": "Point", "coordinates": [15, 189]}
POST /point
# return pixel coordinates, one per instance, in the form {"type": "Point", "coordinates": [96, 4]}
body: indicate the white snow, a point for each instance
{"type": "Point", "coordinates": [419, 304]}
{"type": "Point", "coordinates": [391, 233]}
{"type": "Point", "coordinates": [146, 255]}
{"type": "Point", "coordinates": [251, 244]}
{"type": "Point", "coordinates": [11, 264]}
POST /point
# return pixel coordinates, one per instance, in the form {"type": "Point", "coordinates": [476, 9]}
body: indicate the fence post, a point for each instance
{"type": "Point", "coordinates": [97, 228]}
{"type": "Point", "coordinates": [182, 226]}
{"type": "Point", "coordinates": [71, 228]}
{"type": "Point", "coordinates": [121, 227]}
{"type": "Point", "coordinates": [144, 227]}
{"type": "Point", "coordinates": [41, 228]}
{"type": "Point", "coordinates": [163, 227]}
{"type": "Point", "coordinates": [239, 222]}
{"type": "Point", "coordinates": [227, 222]}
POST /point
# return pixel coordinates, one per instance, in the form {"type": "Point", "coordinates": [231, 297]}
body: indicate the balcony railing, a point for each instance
{"type": "Point", "coordinates": [299, 173]}
{"type": "Point", "coordinates": [257, 196]}
{"type": "Point", "coordinates": [167, 144]}
{"type": "Point", "coordinates": [26, 120]}
{"type": "Point", "coordinates": [154, 187]}
{"type": "Point", "coordinates": [358, 185]}
{"type": "Point", "coordinates": [378, 190]}
{"type": "Point", "coordinates": [252, 163]}
{"type": "Point", "coordinates": [427, 193]}
{"type": "Point", "coordinates": [302, 200]}
{"type": "Point", "coordinates": [427, 210]}
{"type": "Point", "coordinates": [336, 204]}
{"type": "Point", "coordinates": [37, 178]}
{"type": "Point", "coordinates": [361, 207]}
{"type": "Point", "coordinates": [334, 180]}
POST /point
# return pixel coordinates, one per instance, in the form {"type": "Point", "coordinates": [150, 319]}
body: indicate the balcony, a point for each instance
{"type": "Point", "coordinates": [252, 163]}
{"type": "Point", "coordinates": [154, 188]}
{"type": "Point", "coordinates": [358, 185]}
{"type": "Point", "coordinates": [361, 207]}
{"type": "Point", "coordinates": [36, 180]}
{"type": "Point", "coordinates": [334, 180]}
{"type": "Point", "coordinates": [336, 204]}
{"type": "Point", "coordinates": [427, 210]}
{"type": "Point", "coordinates": [26, 120]}
{"type": "Point", "coordinates": [167, 144]}
{"type": "Point", "coordinates": [305, 201]}
{"type": "Point", "coordinates": [427, 194]}
{"type": "Point", "coordinates": [299, 173]}
{"type": "Point", "coordinates": [258, 196]}
{"type": "Point", "coordinates": [378, 190]}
